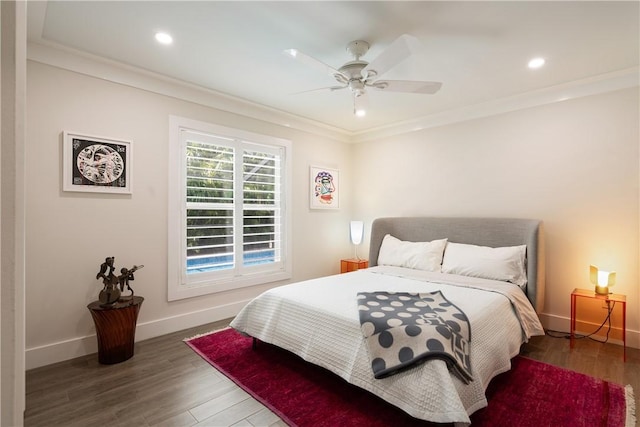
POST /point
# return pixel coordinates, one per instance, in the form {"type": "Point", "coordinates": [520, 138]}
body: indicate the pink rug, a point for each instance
{"type": "Point", "coordinates": [531, 394]}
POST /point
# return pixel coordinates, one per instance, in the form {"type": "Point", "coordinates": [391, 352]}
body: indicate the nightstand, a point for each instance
{"type": "Point", "coordinates": [617, 298]}
{"type": "Point", "coordinates": [353, 264]}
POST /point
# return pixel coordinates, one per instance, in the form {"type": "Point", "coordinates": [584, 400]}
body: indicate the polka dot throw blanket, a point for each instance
{"type": "Point", "coordinates": [403, 328]}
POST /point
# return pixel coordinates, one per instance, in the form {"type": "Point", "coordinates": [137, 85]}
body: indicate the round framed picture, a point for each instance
{"type": "Point", "coordinates": [96, 164]}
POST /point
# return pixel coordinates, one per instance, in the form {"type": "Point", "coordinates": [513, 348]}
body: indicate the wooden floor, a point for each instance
{"type": "Point", "coordinates": [168, 384]}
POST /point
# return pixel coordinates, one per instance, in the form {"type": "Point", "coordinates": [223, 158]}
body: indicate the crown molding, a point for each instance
{"type": "Point", "coordinates": [94, 66]}
{"type": "Point", "coordinates": [116, 72]}
{"type": "Point", "coordinates": [608, 82]}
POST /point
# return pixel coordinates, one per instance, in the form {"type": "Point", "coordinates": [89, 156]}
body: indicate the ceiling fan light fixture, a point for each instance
{"type": "Point", "coordinates": [357, 87]}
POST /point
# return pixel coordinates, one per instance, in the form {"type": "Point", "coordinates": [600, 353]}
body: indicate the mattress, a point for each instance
{"type": "Point", "coordinates": [318, 320]}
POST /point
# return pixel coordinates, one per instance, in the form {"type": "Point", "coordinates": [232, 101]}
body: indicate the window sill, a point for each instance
{"type": "Point", "coordinates": [214, 286]}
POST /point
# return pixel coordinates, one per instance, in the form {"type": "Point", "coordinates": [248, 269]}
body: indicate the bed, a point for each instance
{"type": "Point", "coordinates": [320, 319]}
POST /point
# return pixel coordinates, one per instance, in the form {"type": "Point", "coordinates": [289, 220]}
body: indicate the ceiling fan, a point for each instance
{"type": "Point", "coordinates": [359, 75]}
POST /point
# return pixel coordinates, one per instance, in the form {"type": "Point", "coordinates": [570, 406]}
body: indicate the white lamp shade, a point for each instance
{"type": "Point", "coordinates": [357, 231]}
{"type": "Point", "coordinates": [602, 279]}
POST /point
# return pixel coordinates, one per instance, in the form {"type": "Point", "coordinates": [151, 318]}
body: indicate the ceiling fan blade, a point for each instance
{"type": "Point", "coordinates": [313, 62]}
{"type": "Point", "coordinates": [402, 48]}
{"type": "Point", "coordinates": [329, 88]}
{"type": "Point", "coordinates": [408, 86]}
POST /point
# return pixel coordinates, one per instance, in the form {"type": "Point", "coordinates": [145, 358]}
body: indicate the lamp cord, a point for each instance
{"type": "Point", "coordinates": [590, 336]}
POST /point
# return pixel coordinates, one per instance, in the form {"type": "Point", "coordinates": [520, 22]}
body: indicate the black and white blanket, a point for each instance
{"type": "Point", "coordinates": [403, 328]}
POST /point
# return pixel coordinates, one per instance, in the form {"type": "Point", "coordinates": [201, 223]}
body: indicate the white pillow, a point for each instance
{"type": "Point", "coordinates": [417, 255]}
{"type": "Point", "coordinates": [506, 264]}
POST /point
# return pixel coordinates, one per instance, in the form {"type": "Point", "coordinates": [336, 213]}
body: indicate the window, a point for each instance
{"type": "Point", "coordinates": [228, 209]}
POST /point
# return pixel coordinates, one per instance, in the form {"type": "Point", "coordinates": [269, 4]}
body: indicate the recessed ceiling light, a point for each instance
{"type": "Point", "coordinates": [361, 113]}
{"type": "Point", "coordinates": [164, 38]}
{"type": "Point", "coordinates": [536, 63]}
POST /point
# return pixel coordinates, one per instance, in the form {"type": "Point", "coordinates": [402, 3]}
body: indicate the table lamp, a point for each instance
{"type": "Point", "coordinates": [602, 279]}
{"type": "Point", "coordinates": [356, 231]}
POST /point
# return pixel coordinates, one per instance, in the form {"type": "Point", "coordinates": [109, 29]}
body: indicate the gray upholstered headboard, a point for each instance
{"type": "Point", "coordinates": [493, 232]}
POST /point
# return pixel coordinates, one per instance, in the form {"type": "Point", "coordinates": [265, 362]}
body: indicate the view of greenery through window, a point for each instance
{"type": "Point", "coordinates": [211, 197]}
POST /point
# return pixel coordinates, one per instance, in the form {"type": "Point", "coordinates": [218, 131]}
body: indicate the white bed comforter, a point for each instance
{"type": "Point", "coordinates": [318, 320]}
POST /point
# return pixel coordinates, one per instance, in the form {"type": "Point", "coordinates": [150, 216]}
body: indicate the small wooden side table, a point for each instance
{"type": "Point", "coordinates": [353, 264]}
{"type": "Point", "coordinates": [115, 329]}
{"type": "Point", "coordinates": [618, 298]}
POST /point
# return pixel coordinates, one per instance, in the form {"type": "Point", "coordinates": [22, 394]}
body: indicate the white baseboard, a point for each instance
{"type": "Point", "coordinates": [81, 346]}
{"type": "Point", "coordinates": [563, 324]}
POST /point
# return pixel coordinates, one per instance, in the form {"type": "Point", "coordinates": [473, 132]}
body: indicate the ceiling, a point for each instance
{"type": "Point", "coordinates": [479, 50]}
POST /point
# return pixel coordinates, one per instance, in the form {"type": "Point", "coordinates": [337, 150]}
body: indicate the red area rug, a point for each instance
{"type": "Point", "coordinates": [531, 394]}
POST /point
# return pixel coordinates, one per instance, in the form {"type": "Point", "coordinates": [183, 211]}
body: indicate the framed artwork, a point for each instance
{"type": "Point", "coordinates": [96, 164]}
{"type": "Point", "coordinates": [324, 188]}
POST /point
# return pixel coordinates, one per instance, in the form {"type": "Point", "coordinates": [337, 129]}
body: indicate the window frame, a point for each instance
{"type": "Point", "coordinates": [181, 286]}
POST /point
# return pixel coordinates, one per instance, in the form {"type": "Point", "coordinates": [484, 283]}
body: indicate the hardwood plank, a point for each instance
{"type": "Point", "coordinates": [232, 396]}
{"type": "Point", "coordinates": [183, 419]}
{"type": "Point", "coordinates": [171, 399]}
{"type": "Point", "coordinates": [264, 417]}
{"type": "Point", "coordinates": [233, 414]}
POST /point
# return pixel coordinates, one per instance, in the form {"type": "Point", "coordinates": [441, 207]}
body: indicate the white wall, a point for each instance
{"type": "Point", "coordinates": [572, 164]}
{"type": "Point", "coordinates": [70, 234]}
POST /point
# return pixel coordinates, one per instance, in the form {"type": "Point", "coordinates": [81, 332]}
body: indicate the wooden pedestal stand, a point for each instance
{"type": "Point", "coordinates": [115, 329]}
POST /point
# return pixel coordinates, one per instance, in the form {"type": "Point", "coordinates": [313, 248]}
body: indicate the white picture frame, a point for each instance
{"type": "Point", "coordinates": [96, 164]}
{"type": "Point", "coordinates": [324, 188]}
